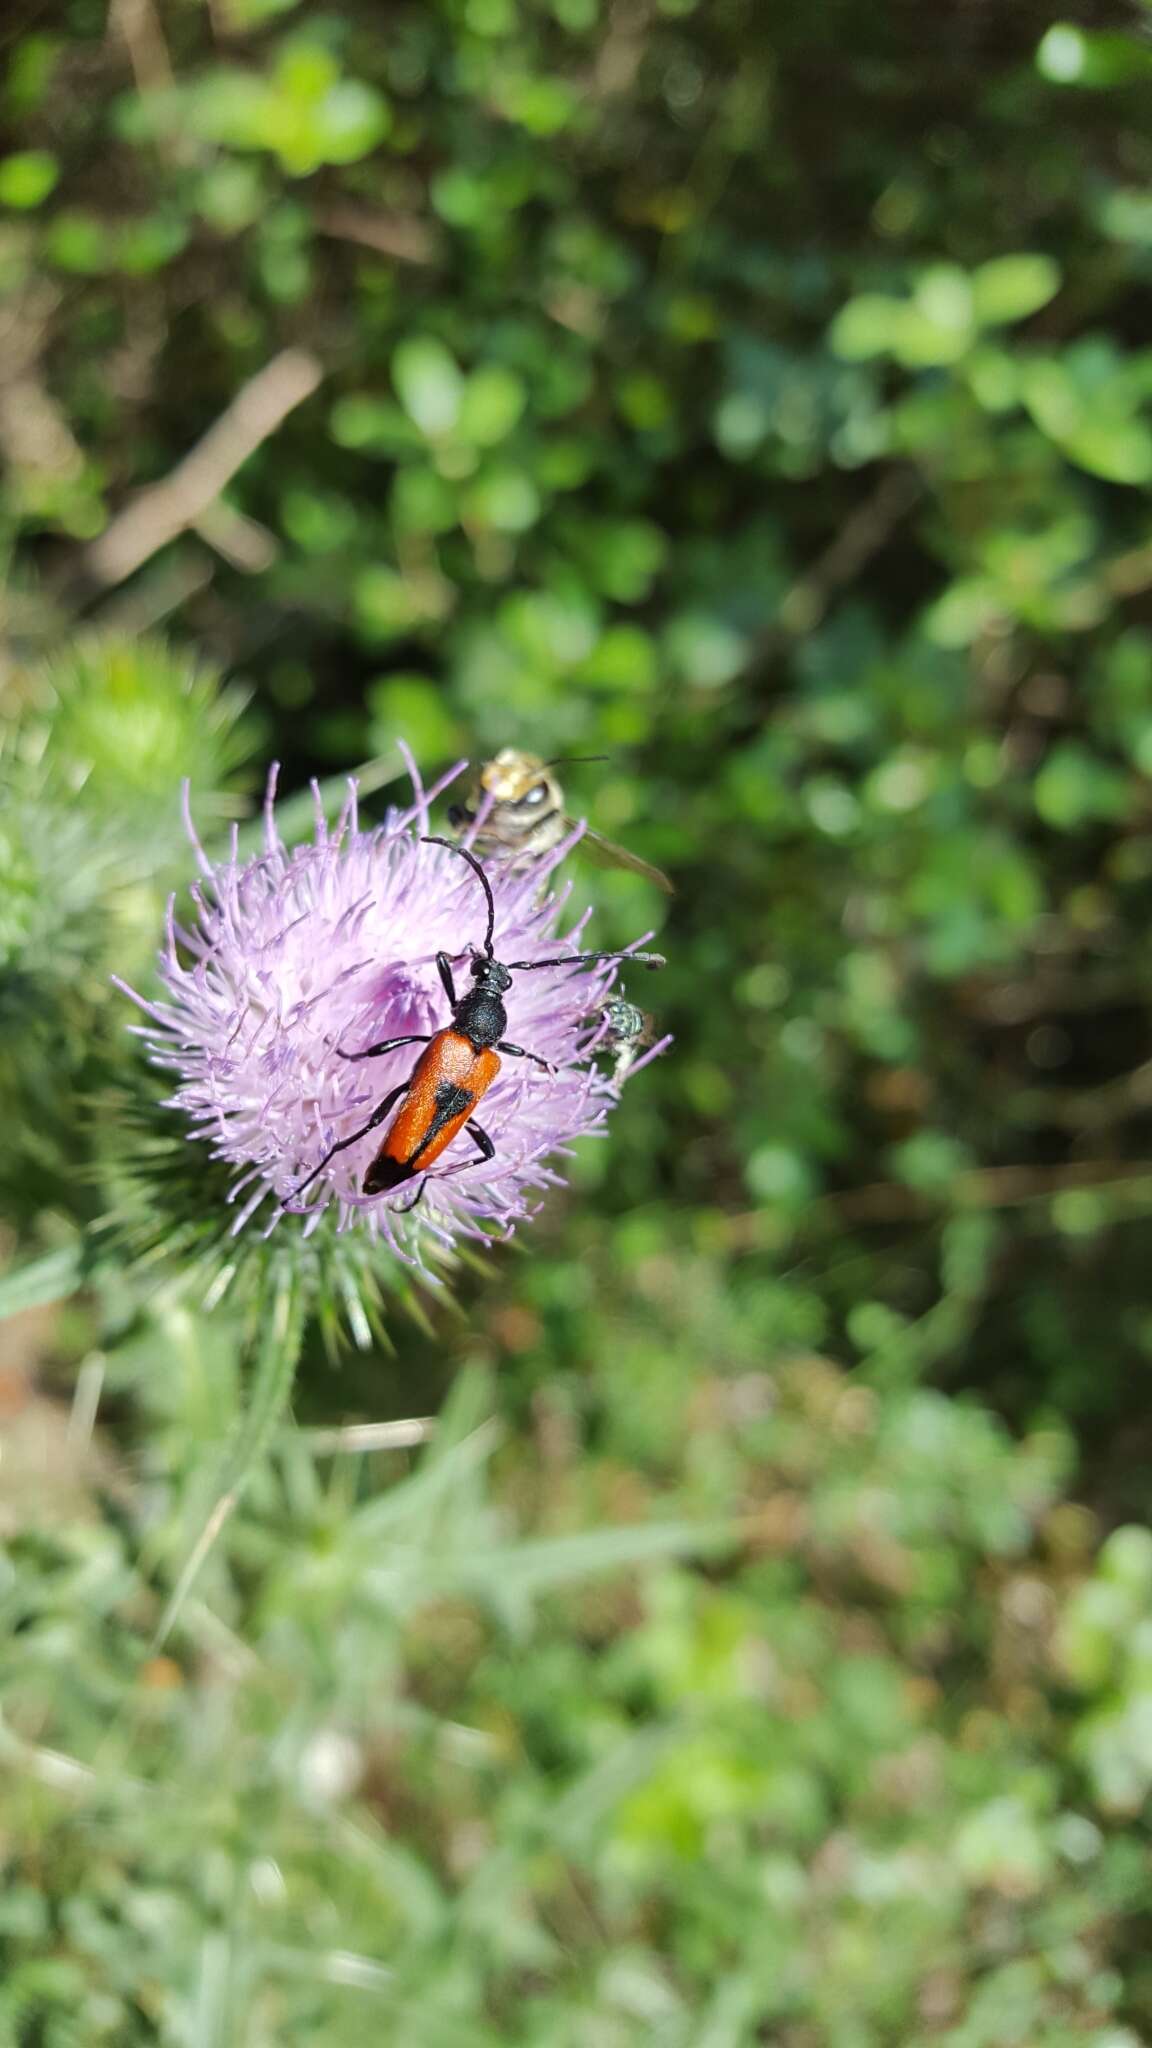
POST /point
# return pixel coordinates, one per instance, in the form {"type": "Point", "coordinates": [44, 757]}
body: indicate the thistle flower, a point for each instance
{"type": "Point", "coordinates": [297, 957]}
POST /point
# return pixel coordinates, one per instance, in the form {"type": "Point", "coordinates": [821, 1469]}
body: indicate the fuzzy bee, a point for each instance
{"type": "Point", "coordinates": [628, 1031]}
{"type": "Point", "coordinates": [520, 805]}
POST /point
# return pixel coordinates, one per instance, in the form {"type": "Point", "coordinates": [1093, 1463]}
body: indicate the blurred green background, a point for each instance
{"type": "Point", "coordinates": [761, 1648]}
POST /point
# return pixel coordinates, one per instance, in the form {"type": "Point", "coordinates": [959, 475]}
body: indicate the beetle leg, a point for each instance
{"type": "Point", "coordinates": [444, 970]}
{"type": "Point", "coordinates": [375, 1120]}
{"type": "Point", "coordinates": [373, 1052]}
{"type": "Point", "coordinates": [518, 1053]}
{"type": "Point", "coordinates": [480, 1139]}
{"type": "Point", "coordinates": [484, 1146]}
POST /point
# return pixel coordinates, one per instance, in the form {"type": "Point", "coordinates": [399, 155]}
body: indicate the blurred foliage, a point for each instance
{"type": "Point", "coordinates": [451, 1751]}
{"type": "Point", "coordinates": [760, 399]}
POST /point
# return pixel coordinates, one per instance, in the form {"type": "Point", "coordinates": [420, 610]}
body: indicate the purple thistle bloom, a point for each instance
{"type": "Point", "coordinates": [295, 954]}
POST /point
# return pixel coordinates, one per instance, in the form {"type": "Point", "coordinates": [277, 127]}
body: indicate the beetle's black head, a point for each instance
{"type": "Point", "coordinates": [491, 977]}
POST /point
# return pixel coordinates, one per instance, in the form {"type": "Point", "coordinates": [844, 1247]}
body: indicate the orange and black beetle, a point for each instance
{"type": "Point", "coordinates": [459, 1066]}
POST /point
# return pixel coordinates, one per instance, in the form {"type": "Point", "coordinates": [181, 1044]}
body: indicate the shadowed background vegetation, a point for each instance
{"type": "Point", "coordinates": [760, 1647]}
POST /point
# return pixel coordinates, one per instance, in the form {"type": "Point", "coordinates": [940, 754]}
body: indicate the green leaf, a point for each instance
{"type": "Point", "coordinates": [493, 402]}
{"type": "Point", "coordinates": [375, 424]}
{"type": "Point", "coordinates": [304, 113]}
{"type": "Point", "coordinates": [1120, 449]}
{"type": "Point", "coordinates": [741, 424]}
{"type": "Point", "coordinates": [623, 659]}
{"type": "Point", "coordinates": [943, 295]}
{"type": "Point", "coordinates": [146, 245]}
{"type": "Point", "coordinates": [27, 178]}
{"type": "Point", "coordinates": [1086, 402]}
{"type": "Point", "coordinates": [544, 106]}
{"type": "Point", "coordinates": [932, 329]}
{"type": "Point", "coordinates": [704, 650]}
{"type": "Point", "coordinates": [924, 344]}
{"type": "Point", "coordinates": [385, 604]}
{"type": "Point", "coordinates": [1062, 54]}
{"type": "Point", "coordinates": [1068, 55]}
{"type": "Point", "coordinates": [428, 384]}
{"type": "Point", "coordinates": [778, 1174]}
{"type": "Point", "coordinates": [505, 499]}
{"type": "Point", "coordinates": [78, 241]}
{"type": "Point", "coordinates": [1052, 397]}
{"type": "Point", "coordinates": [1011, 287]}
{"type": "Point", "coordinates": [460, 197]}
{"type": "Point", "coordinates": [1126, 1561]}
{"type": "Point", "coordinates": [865, 327]}
{"type": "Point", "coordinates": [423, 502]}
{"type": "Point", "coordinates": [1074, 788]}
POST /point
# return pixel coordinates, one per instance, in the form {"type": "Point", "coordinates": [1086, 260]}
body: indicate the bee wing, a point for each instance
{"type": "Point", "coordinates": [609, 855]}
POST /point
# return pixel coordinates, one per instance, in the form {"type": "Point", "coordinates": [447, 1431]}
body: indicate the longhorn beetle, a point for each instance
{"type": "Point", "coordinates": [460, 1064]}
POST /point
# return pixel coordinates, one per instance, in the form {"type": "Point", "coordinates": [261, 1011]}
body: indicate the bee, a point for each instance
{"type": "Point", "coordinates": [628, 1031]}
{"type": "Point", "coordinates": [522, 804]}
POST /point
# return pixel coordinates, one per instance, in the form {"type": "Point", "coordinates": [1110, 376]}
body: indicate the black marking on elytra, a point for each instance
{"type": "Point", "coordinates": [385, 1173]}
{"type": "Point", "coordinates": [451, 1098]}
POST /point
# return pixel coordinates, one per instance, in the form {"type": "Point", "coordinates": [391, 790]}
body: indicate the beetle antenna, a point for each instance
{"type": "Point", "coordinates": [432, 839]}
{"type": "Point", "coordinates": [649, 960]}
{"type": "Point", "coordinates": [575, 760]}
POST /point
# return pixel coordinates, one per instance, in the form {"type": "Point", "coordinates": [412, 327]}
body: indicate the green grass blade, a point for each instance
{"type": "Point", "coordinates": [277, 1354]}
{"type": "Point", "coordinates": [42, 1281]}
{"type": "Point", "coordinates": [525, 1570]}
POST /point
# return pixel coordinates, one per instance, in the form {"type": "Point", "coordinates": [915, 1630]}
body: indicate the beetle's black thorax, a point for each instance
{"type": "Point", "coordinates": [480, 1013]}
{"type": "Point", "coordinates": [481, 1017]}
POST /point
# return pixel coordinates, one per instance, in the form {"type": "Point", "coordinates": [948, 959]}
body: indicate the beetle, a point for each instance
{"type": "Point", "coordinates": [459, 1065]}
